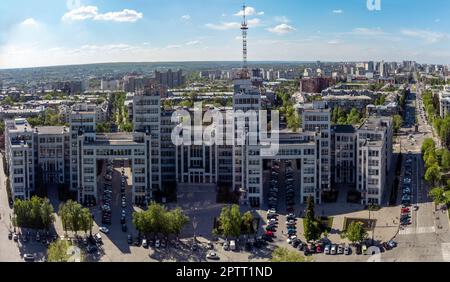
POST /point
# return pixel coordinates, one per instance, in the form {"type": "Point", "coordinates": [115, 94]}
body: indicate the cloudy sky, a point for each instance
{"type": "Point", "coordinates": [59, 32]}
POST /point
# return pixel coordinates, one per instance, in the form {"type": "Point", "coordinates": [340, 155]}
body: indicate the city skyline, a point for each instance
{"type": "Point", "coordinates": [35, 34]}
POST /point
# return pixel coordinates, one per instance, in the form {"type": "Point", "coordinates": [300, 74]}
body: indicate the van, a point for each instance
{"type": "Point", "coordinates": [233, 245]}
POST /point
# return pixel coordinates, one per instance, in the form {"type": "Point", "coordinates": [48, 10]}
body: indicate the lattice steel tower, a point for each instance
{"type": "Point", "coordinates": [244, 28]}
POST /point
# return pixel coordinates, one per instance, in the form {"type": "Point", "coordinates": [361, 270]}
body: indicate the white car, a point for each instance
{"type": "Point", "coordinates": [333, 250]}
{"type": "Point", "coordinates": [104, 230]}
{"type": "Point", "coordinates": [291, 239]}
{"type": "Point", "coordinates": [212, 256]}
{"type": "Point", "coordinates": [157, 244]}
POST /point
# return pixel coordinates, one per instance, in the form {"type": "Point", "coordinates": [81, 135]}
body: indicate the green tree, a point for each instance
{"type": "Point", "coordinates": [354, 117]}
{"type": "Point", "coordinates": [74, 217]}
{"type": "Point", "coordinates": [312, 230]}
{"type": "Point", "coordinates": [397, 122]}
{"type": "Point", "coordinates": [310, 208]}
{"type": "Point", "coordinates": [445, 159]}
{"type": "Point", "coordinates": [34, 213]}
{"type": "Point", "coordinates": [355, 232]}
{"type": "Point", "coordinates": [247, 222]}
{"type": "Point", "coordinates": [157, 219]}
{"type": "Point", "coordinates": [433, 174]}
{"type": "Point", "coordinates": [282, 254]}
{"type": "Point", "coordinates": [62, 251]}
{"type": "Point", "coordinates": [427, 144]}
{"type": "Point", "coordinates": [438, 195]}
{"type": "Point", "coordinates": [47, 214]}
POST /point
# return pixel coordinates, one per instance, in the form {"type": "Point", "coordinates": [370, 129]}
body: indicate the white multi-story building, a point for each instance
{"type": "Point", "coordinates": [317, 118]}
{"type": "Point", "coordinates": [374, 157]}
{"type": "Point", "coordinates": [444, 101]}
{"type": "Point", "coordinates": [20, 147]}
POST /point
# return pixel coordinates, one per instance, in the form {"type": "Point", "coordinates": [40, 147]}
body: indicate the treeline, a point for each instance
{"type": "Point", "coordinates": [35, 213]}
{"type": "Point", "coordinates": [232, 223]}
{"type": "Point", "coordinates": [340, 116]}
{"type": "Point", "coordinates": [158, 220]}
{"type": "Point", "coordinates": [120, 112]}
{"type": "Point", "coordinates": [436, 162]}
{"type": "Point", "coordinates": [50, 117]}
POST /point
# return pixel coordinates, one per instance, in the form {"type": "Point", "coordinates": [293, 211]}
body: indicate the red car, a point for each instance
{"type": "Point", "coordinates": [318, 249]}
{"type": "Point", "coordinates": [270, 233]}
{"type": "Point", "coordinates": [405, 210]}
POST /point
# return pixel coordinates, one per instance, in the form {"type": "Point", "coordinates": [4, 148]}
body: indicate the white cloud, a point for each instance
{"type": "Point", "coordinates": [255, 22]}
{"type": "Point", "coordinates": [426, 35]}
{"type": "Point", "coordinates": [186, 17]}
{"type": "Point", "coordinates": [224, 26]}
{"type": "Point", "coordinates": [91, 12]}
{"type": "Point", "coordinates": [125, 15]}
{"type": "Point", "coordinates": [81, 13]}
{"type": "Point", "coordinates": [339, 11]}
{"type": "Point", "coordinates": [249, 11]}
{"type": "Point", "coordinates": [193, 42]}
{"type": "Point", "coordinates": [281, 29]}
{"type": "Point", "coordinates": [30, 22]}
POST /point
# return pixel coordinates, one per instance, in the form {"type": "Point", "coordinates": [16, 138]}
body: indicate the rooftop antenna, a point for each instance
{"type": "Point", "coordinates": [244, 28]}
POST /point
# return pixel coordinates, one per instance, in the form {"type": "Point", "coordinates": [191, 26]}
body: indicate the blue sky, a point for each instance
{"type": "Point", "coordinates": [57, 32]}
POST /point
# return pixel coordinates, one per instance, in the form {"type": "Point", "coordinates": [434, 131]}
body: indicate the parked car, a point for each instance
{"type": "Point", "coordinates": [212, 256]}
{"type": "Point", "coordinates": [144, 243]}
{"type": "Point", "coordinates": [157, 243]}
{"type": "Point", "coordinates": [333, 250]}
{"type": "Point", "coordinates": [347, 250]}
{"type": "Point", "coordinates": [340, 250]}
{"type": "Point", "coordinates": [129, 239]}
{"type": "Point", "coordinates": [327, 249]}
{"type": "Point", "coordinates": [364, 249]}
{"type": "Point", "coordinates": [28, 257]}
{"type": "Point", "coordinates": [103, 229]}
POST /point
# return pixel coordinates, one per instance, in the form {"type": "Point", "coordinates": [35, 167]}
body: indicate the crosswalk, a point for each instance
{"type": "Point", "coordinates": [445, 252]}
{"type": "Point", "coordinates": [417, 230]}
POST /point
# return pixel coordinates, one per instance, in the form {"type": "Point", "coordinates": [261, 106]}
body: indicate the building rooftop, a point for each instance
{"type": "Point", "coordinates": [47, 130]}
{"type": "Point", "coordinates": [344, 128]}
{"type": "Point", "coordinates": [115, 139]}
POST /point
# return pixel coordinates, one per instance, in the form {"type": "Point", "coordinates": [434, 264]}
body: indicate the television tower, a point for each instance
{"type": "Point", "coordinates": [244, 28]}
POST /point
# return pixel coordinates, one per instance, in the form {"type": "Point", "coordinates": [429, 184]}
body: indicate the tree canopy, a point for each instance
{"type": "Point", "coordinates": [35, 213]}
{"type": "Point", "coordinates": [74, 217]}
{"type": "Point", "coordinates": [355, 232]}
{"type": "Point", "coordinates": [157, 219]}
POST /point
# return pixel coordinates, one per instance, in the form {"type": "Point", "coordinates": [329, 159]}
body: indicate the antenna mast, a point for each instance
{"type": "Point", "coordinates": [244, 28]}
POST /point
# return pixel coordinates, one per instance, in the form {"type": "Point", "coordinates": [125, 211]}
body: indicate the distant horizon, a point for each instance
{"type": "Point", "coordinates": [218, 61]}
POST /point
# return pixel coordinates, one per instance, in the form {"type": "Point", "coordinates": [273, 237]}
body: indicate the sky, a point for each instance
{"type": "Point", "coordinates": [60, 32]}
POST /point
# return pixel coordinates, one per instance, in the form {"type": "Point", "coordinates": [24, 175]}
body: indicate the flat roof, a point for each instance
{"type": "Point", "coordinates": [115, 139]}
{"type": "Point", "coordinates": [50, 130]}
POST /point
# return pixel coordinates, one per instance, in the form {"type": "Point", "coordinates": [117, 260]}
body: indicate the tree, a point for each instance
{"type": "Point", "coordinates": [34, 213]}
{"type": "Point", "coordinates": [74, 217]}
{"type": "Point", "coordinates": [427, 144]}
{"type": "Point", "coordinates": [312, 230]}
{"type": "Point", "coordinates": [282, 254]}
{"type": "Point", "coordinates": [47, 214]}
{"type": "Point", "coordinates": [157, 219]}
{"type": "Point", "coordinates": [310, 208]}
{"type": "Point", "coordinates": [355, 232]}
{"type": "Point", "coordinates": [438, 195]}
{"type": "Point", "coordinates": [247, 223]}
{"type": "Point", "coordinates": [397, 122]}
{"type": "Point", "coordinates": [433, 174]}
{"type": "Point", "coordinates": [353, 117]}
{"type": "Point", "coordinates": [63, 251]}
{"type": "Point", "coordinates": [177, 220]}
{"type": "Point", "coordinates": [231, 221]}
{"type": "Point", "coordinates": [445, 159]}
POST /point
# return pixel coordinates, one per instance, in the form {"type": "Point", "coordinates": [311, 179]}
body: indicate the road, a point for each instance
{"type": "Point", "coordinates": [8, 249]}
{"type": "Point", "coordinates": [427, 238]}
